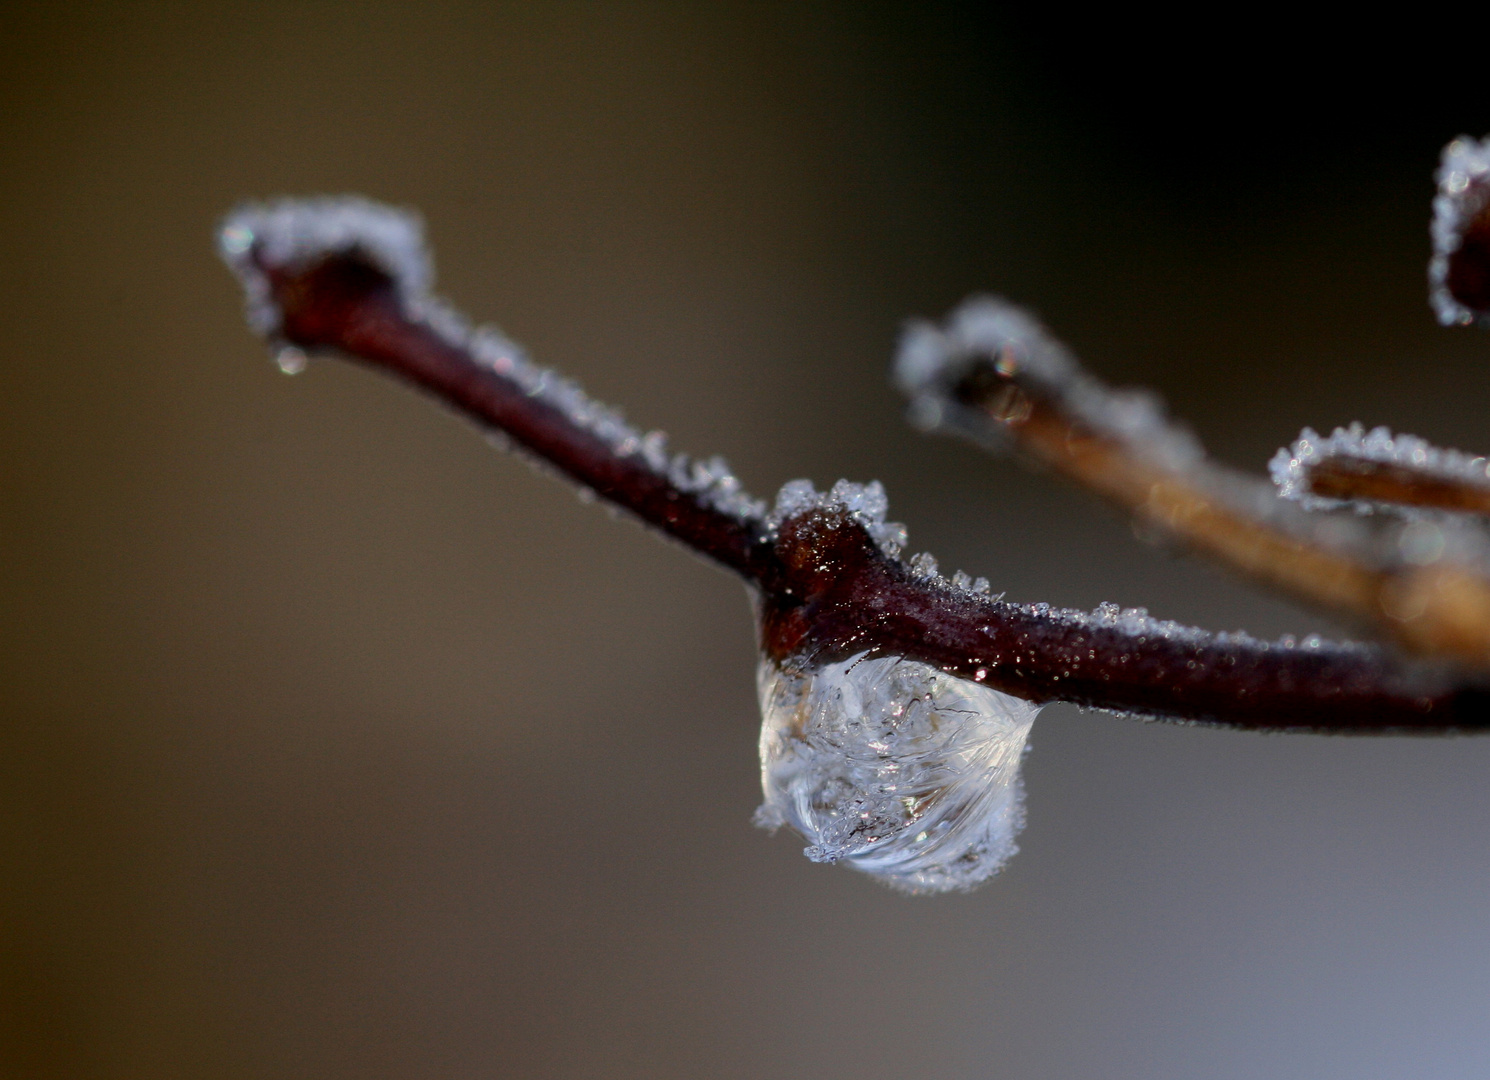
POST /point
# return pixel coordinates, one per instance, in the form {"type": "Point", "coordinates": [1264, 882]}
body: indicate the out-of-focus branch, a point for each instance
{"type": "Point", "coordinates": [993, 374]}
{"type": "Point", "coordinates": [1354, 479]}
{"type": "Point", "coordinates": [1459, 272]}
{"type": "Point", "coordinates": [349, 277]}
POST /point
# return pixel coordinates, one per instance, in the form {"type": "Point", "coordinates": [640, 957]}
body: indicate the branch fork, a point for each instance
{"type": "Point", "coordinates": [895, 701]}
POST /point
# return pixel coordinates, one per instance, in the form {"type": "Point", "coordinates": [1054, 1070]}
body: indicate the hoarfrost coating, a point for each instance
{"type": "Point", "coordinates": [865, 503]}
{"type": "Point", "coordinates": [297, 231]}
{"type": "Point", "coordinates": [894, 767]}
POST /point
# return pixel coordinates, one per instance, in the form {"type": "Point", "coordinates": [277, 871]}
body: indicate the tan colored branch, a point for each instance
{"type": "Point", "coordinates": [993, 374]}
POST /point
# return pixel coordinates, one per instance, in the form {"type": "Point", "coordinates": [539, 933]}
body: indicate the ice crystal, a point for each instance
{"type": "Point", "coordinates": [297, 233]}
{"type": "Point", "coordinates": [1463, 196]}
{"type": "Point", "coordinates": [924, 565]}
{"type": "Point", "coordinates": [1290, 466]}
{"type": "Point", "coordinates": [894, 767]}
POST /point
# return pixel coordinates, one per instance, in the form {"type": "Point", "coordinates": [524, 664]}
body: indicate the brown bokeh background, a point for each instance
{"type": "Point", "coordinates": [335, 744]}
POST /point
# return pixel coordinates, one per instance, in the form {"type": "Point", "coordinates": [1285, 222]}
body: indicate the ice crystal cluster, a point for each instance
{"type": "Point", "coordinates": [865, 503]}
{"type": "Point", "coordinates": [297, 233]}
{"type": "Point", "coordinates": [1291, 465]}
{"type": "Point", "coordinates": [893, 767]}
{"type": "Point", "coordinates": [1463, 196]}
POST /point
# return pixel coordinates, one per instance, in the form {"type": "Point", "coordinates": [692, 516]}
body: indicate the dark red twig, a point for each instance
{"type": "Point", "coordinates": [826, 568]}
{"type": "Point", "coordinates": [349, 305]}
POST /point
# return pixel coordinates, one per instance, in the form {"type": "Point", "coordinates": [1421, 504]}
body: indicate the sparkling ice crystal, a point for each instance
{"type": "Point", "coordinates": [894, 767]}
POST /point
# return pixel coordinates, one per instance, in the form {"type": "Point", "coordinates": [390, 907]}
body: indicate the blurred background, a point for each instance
{"type": "Point", "coordinates": [335, 744]}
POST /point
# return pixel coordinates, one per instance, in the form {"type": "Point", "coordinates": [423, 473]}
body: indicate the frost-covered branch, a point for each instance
{"type": "Point", "coordinates": [993, 374]}
{"type": "Point", "coordinates": [1378, 471]}
{"type": "Point", "coordinates": [895, 701]}
{"type": "Point", "coordinates": [351, 277]}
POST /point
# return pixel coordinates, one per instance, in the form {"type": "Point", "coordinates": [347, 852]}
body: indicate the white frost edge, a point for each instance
{"type": "Point", "coordinates": [867, 504]}
{"type": "Point", "coordinates": [299, 231]}
{"type": "Point", "coordinates": [1463, 188]}
{"type": "Point", "coordinates": [1290, 466]}
{"type": "Point", "coordinates": [288, 232]}
{"type": "Point", "coordinates": [1138, 623]}
{"type": "Point", "coordinates": [932, 358]}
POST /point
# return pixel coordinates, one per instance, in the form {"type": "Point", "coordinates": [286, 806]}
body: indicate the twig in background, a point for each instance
{"type": "Point", "coordinates": [995, 375]}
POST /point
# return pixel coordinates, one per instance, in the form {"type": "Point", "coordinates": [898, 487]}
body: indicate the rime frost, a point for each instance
{"type": "Point", "coordinates": [865, 503]}
{"type": "Point", "coordinates": [1291, 465]}
{"type": "Point", "coordinates": [895, 768]}
{"type": "Point", "coordinates": [932, 359]}
{"type": "Point", "coordinates": [295, 233]}
{"type": "Point", "coordinates": [1463, 193]}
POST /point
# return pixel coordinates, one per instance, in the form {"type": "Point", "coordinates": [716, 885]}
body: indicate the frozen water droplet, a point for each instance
{"type": "Point", "coordinates": [894, 767]}
{"type": "Point", "coordinates": [290, 360]}
{"type": "Point", "coordinates": [236, 239]}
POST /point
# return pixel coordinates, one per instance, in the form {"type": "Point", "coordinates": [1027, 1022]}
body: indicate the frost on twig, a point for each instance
{"type": "Point", "coordinates": [350, 275]}
{"type": "Point", "coordinates": [993, 374]}
{"type": "Point", "coordinates": [1459, 272]}
{"type": "Point", "coordinates": [896, 702]}
{"type": "Point", "coordinates": [1371, 471]}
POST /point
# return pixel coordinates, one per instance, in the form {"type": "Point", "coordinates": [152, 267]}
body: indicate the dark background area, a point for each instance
{"type": "Point", "coordinates": [334, 744]}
